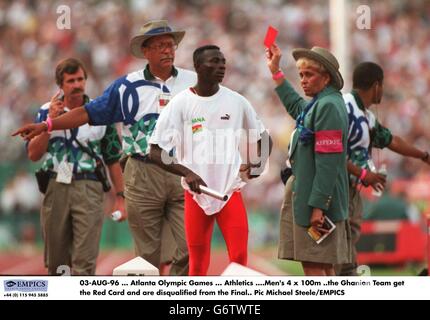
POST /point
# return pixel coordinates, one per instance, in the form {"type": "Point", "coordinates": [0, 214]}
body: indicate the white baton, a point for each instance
{"type": "Point", "coordinates": [213, 193]}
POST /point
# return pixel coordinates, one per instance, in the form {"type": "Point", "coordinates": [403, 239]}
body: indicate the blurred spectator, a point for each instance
{"type": "Point", "coordinates": [21, 195]}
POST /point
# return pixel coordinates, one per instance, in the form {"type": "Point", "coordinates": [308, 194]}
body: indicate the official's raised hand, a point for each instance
{"type": "Point", "coordinates": [56, 106]}
{"type": "Point", "coordinates": [273, 56]}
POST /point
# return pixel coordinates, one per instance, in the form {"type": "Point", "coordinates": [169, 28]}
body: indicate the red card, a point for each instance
{"type": "Point", "coordinates": [270, 36]}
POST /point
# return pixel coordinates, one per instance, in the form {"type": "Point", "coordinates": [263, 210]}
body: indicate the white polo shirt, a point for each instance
{"type": "Point", "coordinates": [206, 132]}
{"type": "Point", "coordinates": [134, 100]}
{"type": "Point", "coordinates": [102, 140]}
{"type": "Point", "coordinates": [364, 131]}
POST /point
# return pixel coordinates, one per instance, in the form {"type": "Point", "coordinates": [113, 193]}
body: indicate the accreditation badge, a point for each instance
{"type": "Point", "coordinates": [65, 172]}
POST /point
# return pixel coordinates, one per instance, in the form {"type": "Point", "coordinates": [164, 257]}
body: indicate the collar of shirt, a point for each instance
{"type": "Point", "coordinates": [326, 91]}
{"type": "Point", "coordinates": [149, 76]}
{"type": "Point", "coordinates": [358, 100]}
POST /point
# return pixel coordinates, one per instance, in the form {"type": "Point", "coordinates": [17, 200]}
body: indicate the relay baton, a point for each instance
{"type": "Point", "coordinates": [213, 193]}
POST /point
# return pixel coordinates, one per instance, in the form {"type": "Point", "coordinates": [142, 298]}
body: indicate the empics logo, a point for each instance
{"type": "Point", "coordinates": [25, 285]}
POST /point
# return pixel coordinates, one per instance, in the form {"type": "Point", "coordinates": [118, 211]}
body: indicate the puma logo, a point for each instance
{"type": "Point", "coordinates": [225, 117]}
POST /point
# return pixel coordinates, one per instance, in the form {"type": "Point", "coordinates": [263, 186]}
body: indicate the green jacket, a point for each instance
{"type": "Point", "coordinates": [319, 167]}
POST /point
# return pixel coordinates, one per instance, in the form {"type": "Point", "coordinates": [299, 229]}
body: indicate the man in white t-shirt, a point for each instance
{"type": "Point", "coordinates": [205, 125]}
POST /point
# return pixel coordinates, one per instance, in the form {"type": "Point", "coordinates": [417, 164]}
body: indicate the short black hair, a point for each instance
{"type": "Point", "coordinates": [366, 74]}
{"type": "Point", "coordinates": [199, 51]}
{"type": "Point", "coordinates": [69, 66]}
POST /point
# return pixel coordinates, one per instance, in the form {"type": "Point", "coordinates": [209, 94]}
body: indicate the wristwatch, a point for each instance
{"type": "Point", "coordinates": [120, 194]}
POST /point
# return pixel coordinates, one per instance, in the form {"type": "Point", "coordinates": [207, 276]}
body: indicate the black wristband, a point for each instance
{"type": "Point", "coordinates": [120, 194]}
{"type": "Point", "coordinates": [425, 158]}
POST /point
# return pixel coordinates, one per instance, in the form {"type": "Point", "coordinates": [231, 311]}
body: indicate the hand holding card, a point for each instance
{"type": "Point", "coordinates": [270, 38]}
{"type": "Point", "coordinates": [317, 235]}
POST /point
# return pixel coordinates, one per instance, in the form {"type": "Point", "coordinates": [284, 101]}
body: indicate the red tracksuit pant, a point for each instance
{"type": "Point", "coordinates": [233, 223]}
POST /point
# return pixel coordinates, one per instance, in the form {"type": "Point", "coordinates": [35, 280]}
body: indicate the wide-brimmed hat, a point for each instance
{"type": "Point", "coordinates": [324, 57]}
{"type": "Point", "coordinates": [152, 29]}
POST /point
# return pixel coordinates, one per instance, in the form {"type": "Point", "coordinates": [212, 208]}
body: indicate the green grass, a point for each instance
{"type": "Point", "coordinates": [295, 269]}
{"type": "Point", "coordinates": [290, 267]}
{"type": "Point", "coordinates": [407, 270]}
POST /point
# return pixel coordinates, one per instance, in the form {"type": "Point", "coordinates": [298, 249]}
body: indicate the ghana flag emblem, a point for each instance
{"type": "Point", "coordinates": [197, 127]}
